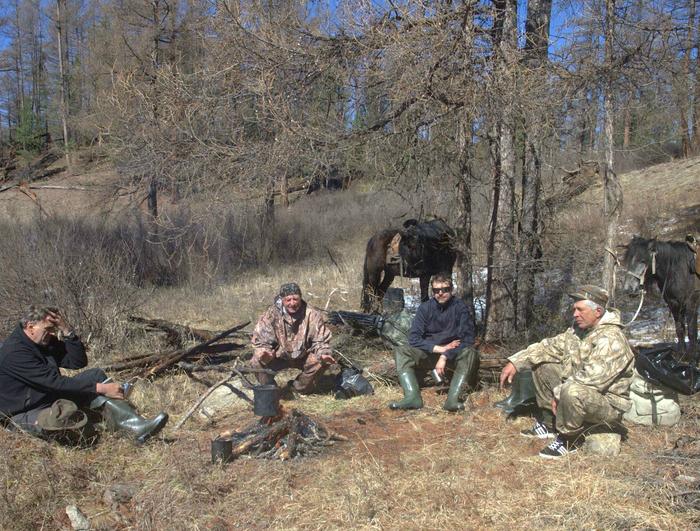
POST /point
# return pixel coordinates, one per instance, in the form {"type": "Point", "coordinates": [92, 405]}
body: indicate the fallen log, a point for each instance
{"type": "Point", "coordinates": [176, 333]}
{"type": "Point", "coordinates": [171, 359]}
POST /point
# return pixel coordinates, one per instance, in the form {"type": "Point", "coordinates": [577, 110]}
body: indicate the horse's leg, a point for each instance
{"type": "Point", "coordinates": [424, 281]}
{"type": "Point", "coordinates": [383, 286]}
{"type": "Point", "coordinates": [692, 320]}
{"type": "Point", "coordinates": [372, 290]}
{"type": "Point", "coordinates": [679, 318]}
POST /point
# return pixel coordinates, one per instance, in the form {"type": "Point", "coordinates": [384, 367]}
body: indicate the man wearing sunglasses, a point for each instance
{"type": "Point", "coordinates": [442, 333]}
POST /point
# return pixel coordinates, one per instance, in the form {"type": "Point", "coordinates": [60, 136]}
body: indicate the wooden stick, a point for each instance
{"type": "Point", "coordinates": [204, 397]}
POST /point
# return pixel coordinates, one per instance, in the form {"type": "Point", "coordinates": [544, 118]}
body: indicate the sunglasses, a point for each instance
{"type": "Point", "coordinates": [442, 290]}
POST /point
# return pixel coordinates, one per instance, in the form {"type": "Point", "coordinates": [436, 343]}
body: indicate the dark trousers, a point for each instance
{"type": "Point", "coordinates": [411, 358]}
{"type": "Point", "coordinates": [27, 419]}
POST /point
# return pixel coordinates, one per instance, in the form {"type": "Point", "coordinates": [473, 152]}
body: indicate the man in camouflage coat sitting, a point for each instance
{"type": "Point", "coordinates": [581, 377]}
{"type": "Point", "coordinates": [291, 334]}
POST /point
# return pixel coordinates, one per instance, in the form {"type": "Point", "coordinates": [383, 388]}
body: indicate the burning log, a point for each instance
{"type": "Point", "coordinates": [284, 437]}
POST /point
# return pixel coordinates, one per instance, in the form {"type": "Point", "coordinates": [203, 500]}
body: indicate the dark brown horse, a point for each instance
{"type": "Point", "coordinates": [424, 249]}
{"type": "Point", "coordinates": [671, 266]}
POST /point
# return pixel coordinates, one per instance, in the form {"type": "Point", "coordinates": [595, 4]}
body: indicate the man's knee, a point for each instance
{"type": "Point", "coordinates": [405, 358]}
{"type": "Point", "coordinates": [573, 395]}
{"type": "Point", "coordinates": [94, 375]}
{"type": "Point", "coordinates": [548, 374]}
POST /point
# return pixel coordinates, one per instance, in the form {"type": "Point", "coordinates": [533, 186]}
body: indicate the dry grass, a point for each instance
{"type": "Point", "coordinates": [417, 470]}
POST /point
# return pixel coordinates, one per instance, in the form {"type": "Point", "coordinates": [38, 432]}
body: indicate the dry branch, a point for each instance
{"type": "Point", "coordinates": [152, 364]}
{"type": "Point", "coordinates": [232, 373]}
{"type": "Point", "coordinates": [175, 331]}
{"type": "Point", "coordinates": [171, 359]}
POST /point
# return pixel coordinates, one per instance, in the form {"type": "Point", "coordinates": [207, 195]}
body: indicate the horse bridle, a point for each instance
{"type": "Point", "coordinates": [641, 277]}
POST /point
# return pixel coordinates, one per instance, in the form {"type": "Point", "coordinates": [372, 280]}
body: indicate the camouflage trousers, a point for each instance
{"type": "Point", "coordinates": [310, 365]}
{"type": "Point", "coordinates": [578, 404]}
{"type": "Point", "coordinates": [411, 358]}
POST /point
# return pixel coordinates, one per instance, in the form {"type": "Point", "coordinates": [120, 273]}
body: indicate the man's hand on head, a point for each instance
{"type": "Point", "coordinates": [554, 406]}
{"type": "Point", "coordinates": [507, 374]}
{"type": "Point", "coordinates": [59, 322]}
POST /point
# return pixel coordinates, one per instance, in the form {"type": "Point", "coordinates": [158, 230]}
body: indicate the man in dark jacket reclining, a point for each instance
{"type": "Point", "coordinates": [37, 398]}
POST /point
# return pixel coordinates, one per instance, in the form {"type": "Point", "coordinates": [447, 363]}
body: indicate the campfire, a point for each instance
{"type": "Point", "coordinates": [283, 437]}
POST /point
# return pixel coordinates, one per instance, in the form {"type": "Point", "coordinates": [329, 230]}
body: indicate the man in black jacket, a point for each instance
{"type": "Point", "coordinates": [442, 332]}
{"type": "Point", "coordinates": [34, 395]}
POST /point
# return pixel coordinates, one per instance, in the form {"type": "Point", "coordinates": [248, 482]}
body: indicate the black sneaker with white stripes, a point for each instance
{"type": "Point", "coordinates": [539, 431]}
{"type": "Point", "coordinates": [559, 447]}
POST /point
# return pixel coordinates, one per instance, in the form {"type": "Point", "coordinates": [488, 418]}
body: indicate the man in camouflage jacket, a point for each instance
{"type": "Point", "coordinates": [582, 376]}
{"type": "Point", "coordinates": [291, 334]}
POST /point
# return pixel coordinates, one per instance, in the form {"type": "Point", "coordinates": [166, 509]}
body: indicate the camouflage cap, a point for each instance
{"type": "Point", "coordinates": [589, 292]}
{"type": "Point", "coordinates": [290, 288]}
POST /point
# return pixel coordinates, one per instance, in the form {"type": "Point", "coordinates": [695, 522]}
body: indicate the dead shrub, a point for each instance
{"type": "Point", "coordinates": [76, 266]}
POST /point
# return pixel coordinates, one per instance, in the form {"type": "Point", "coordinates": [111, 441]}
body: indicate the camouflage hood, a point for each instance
{"type": "Point", "coordinates": [611, 317]}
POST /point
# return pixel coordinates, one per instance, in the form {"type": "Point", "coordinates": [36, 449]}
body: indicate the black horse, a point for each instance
{"type": "Point", "coordinates": [672, 266]}
{"type": "Point", "coordinates": [424, 249]}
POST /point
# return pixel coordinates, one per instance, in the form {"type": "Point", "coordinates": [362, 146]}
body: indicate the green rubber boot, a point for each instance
{"type": "Point", "coordinates": [522, 392]}
{"type": "Point", "coordinates": [120, 415]}
{"type": "Point", "coordinates": [452, 403]}
{"type": "Point", "coordinates": [466, 373]}
{"type": "Point", "coordinates": [411, 392]}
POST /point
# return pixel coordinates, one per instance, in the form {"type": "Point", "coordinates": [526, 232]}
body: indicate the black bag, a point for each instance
{"type": "Point", "coordinates": [350, 383]}
{"type": "Point", "coordinates": [660, 367]}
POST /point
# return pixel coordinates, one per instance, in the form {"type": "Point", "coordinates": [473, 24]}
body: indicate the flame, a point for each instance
{"type": "Point", "coordinates": [271, 420]}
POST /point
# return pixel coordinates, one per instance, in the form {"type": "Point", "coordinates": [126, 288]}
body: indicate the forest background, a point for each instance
{"type": "Point", "coordinates": [470, 110]}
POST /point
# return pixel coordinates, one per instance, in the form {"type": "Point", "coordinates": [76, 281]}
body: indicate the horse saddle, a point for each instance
{"type": "Point", "coordinates": [693, 244]}
{"type": "Point", "coordinates": [392, 250]}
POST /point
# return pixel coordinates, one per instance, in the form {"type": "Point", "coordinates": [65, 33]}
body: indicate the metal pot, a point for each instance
{"type": "Point", "coordinates": [221, 450]}
{"type": "Point", "coordinates": [266, 400]}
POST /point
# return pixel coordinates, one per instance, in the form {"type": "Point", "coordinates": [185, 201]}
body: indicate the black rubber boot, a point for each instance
{"type": "Point", "coordinates": [120, 415]}
{"type": "Point", "coordinates": [522, 392]}
{"type": "Point", "coordinates": [411, 392]}
{"type": "Point", "coordinates": [546, 417]}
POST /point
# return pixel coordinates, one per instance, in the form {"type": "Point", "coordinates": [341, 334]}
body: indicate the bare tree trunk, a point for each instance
{"type": "Point", "coordinates": [627, 132]}
{"type": "Point", "coordinates": [502, 319]}
{"type": "Point", "coordinates": [63, 71]}
{"type": "Point", "coordinates": [284, 189]}
{"type": "Point", "coordinates": [19, 66]}
{"type": "Point", "coordinates": [684, 90]}
{"type": "Point", "coordinates": [464, 212]}
{"type": "Point", "coordinates": [612, 189]}
{"type": "Point", "coordinates": [153, 198]}
{"type": "Point", "coordinates": [536, 45]}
